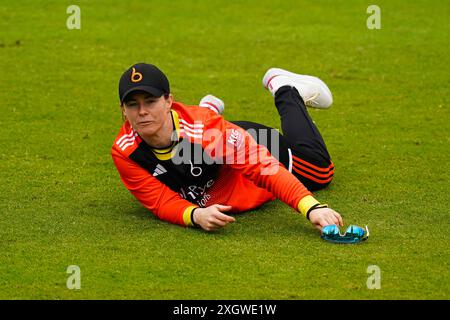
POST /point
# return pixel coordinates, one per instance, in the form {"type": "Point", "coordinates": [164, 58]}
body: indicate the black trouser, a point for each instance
{"type": "Point", "coordinates": [301, 147]}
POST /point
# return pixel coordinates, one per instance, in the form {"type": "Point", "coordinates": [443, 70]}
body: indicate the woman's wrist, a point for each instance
{"type": "Point", "coordinates": [196, 225]}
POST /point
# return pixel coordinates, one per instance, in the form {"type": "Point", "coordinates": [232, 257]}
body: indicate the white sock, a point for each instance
{"type": "Point", "coordinates": [213, 103]}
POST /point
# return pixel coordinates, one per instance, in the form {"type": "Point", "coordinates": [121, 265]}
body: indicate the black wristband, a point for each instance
{"type": "Point", "coordinates": [192, 218]}
{"type": "Point", "coordinates": [316, 206]}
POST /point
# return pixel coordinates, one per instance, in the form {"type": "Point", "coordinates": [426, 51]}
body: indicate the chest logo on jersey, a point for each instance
{"type": "Point", "coordinates": [195, 171]}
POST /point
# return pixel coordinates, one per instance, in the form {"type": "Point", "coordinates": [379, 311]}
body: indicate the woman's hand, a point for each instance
{"type": "Point", "coordinates": [322, 217]}
{"type": "Point", "coordinates": [212, 218]}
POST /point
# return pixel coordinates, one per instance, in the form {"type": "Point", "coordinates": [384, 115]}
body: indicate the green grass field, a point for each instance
{"type": "Point", "coordinates": [62, 202]}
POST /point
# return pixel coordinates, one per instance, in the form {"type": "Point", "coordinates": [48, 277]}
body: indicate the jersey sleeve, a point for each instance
{"type": "Point", "coordinates": [234, 147]}
{"type": "Point", "coordinates": [162, 201]}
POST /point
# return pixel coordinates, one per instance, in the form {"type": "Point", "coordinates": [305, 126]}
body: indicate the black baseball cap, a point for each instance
{"type": "Point", "coordinates": [143, 77]}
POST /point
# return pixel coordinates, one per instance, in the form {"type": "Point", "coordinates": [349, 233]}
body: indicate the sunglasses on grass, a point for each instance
{"type": "Point", "coordinates": [353, 234]}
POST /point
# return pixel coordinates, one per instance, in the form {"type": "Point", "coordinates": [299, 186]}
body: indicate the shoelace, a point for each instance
{"type": "Point", "coordinates": [311, 100]}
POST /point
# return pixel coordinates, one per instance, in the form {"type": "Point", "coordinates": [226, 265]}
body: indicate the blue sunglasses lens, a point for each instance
{"type": "Point", "coordinates": [330, 231]}
{"type": "Point", "coordinates": [354, 231]}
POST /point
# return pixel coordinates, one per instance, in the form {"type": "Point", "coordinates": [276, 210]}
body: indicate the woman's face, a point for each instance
{"type": "Point", "coordinates": [146, 113]}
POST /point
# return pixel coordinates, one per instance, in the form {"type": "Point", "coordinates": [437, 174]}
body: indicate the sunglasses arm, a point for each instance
{"type": "Point", "coordinates": [367, 233]}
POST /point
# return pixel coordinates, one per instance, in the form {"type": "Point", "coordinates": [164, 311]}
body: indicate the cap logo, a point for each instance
{"type": "Point", "coordinates": [136, 76]}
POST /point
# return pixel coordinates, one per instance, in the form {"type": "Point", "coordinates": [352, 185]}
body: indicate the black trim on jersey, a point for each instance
{"type": "Point", "coordinates": [157, 150]}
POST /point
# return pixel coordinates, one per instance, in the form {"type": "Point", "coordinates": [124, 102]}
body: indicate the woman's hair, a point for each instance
{"type": "Point", "coordinates": [124, 117]}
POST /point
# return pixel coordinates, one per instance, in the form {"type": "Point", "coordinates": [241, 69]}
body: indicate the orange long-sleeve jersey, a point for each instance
{"type": "Point", "coordinates": [211, 161]}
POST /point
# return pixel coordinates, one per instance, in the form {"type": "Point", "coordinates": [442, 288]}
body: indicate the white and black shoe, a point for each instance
{"type": "Point", "coordinates": [314, 92]}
